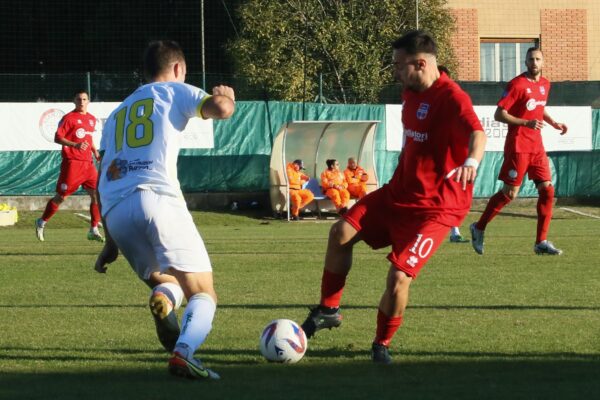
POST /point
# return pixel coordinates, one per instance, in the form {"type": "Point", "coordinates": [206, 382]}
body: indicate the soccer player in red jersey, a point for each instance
{"type": "Point", "coordinates": [522, 107]}
{"type": "Point", "coordinates": [77, 169]}
{"type": "Point", "coordinates": [430, 191]}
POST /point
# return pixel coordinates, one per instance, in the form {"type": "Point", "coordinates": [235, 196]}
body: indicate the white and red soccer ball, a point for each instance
{"type": "Point", "coordinates": [283, 341]}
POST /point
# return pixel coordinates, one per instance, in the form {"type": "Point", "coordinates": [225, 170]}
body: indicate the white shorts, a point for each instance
{"type": "Point", "coordinates": [156, 232]}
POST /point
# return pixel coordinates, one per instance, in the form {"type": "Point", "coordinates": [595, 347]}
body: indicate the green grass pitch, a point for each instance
{"type": "Point", "coordinates": [506, 325]}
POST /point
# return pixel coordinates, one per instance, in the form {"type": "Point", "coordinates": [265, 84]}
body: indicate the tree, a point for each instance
{"type": "Point", "coordinates": [286, 45]}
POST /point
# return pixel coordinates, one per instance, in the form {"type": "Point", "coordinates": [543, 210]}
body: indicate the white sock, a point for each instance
{"type": "Point", "coordinates": [196, 322]}
{"type": "Point", "coordinates": [172, 291]}
{"type": "Point", "coordinates": [454, 231]}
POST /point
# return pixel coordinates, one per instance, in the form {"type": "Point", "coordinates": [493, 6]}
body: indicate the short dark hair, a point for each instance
{"type": "Point", "coordinates": [159, 54]}
{"type": "Point", "coordinates": [330, 163]}
{"type": "Point", "coordinates": [415, 42]}
{"type": "Point", "coordinates": [75, 93]}
{"type": "Point", "coordinates": [533, 48]}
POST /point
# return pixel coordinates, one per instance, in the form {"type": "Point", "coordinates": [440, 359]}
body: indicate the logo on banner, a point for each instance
{"type": "Point", "coordinates": [49, 122]}
{"type": "Point", "coordinates": [422, 111]}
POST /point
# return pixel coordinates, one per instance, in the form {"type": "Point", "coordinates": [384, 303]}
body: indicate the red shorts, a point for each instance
{"type": "Point", "coordinates": [516, 165]}
{"type": "Point", "coordinates": [413, 239]}
{"type": "Point", "coordinates": [76, 173]}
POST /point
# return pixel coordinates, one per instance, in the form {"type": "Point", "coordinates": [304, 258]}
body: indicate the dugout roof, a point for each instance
{"type": "Point", "coordinates": [314, 142]}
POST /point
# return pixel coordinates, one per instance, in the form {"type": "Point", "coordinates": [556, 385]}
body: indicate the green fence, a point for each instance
{"type": "Point", "coordinates": [239, 161]}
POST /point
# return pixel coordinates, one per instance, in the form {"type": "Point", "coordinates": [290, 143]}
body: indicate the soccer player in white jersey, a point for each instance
{"type": "Point", "coordinates": [144, 209]}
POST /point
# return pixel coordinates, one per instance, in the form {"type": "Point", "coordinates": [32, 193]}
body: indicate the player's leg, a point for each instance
{"type": "Point", "coordinates": [540, 173]}
{"type": "Point", "coordinates": [180, 252]}
{"type": "Point", "coordinates": [165, 299]}
{"type": "Point", "coordinates": [65, 186]}
{"type": "Point", "coordinates": [90, 184]}
{"type": "Point", "coordinates": [338, 261]}
{"type": "Point", "coordinates": [413, 245]}
{"type": "Point", "coordinates": [127, 227]}
{"type": "Point", "coordinates": [390, 313]}
{"type": "Point", "coordinates": [52, 207]}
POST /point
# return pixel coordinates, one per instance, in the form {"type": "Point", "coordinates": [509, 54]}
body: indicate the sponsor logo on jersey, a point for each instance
{"type": "Point", "coordinates": [79, 121]}
{"type": "Point", "coordinates": [80, 133]}
{"type": "Point", "coordinates": [412, 261]}
{"type": "Point", "coordinates": [118, 168]}
{"type": "Point", "coordinates": [417, 136]}
{"type": "Point", "coordinates": [528, 90]}
{"type": "Point", "coordinates": [532, 104]}
{"type": "Point", "coordinates": [422, 111]}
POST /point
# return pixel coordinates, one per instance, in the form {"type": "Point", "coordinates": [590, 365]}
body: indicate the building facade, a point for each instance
{"type": "Point", "coordinates": [493, 36]}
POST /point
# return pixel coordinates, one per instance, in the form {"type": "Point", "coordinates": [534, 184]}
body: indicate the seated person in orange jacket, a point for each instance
{"type": "Point", "coordinates": [334, 186]}
{"type": "Point", "coordinates": [357, 179]}
{"type": "Point", "coordinates": [299, 197]}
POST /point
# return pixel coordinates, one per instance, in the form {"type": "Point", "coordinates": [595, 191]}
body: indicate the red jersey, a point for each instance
{"type": "Point", "coordinates": [525, 99]}
{"type": "Point", "coordinates": [438, 124]}
{"type": "Point", "coordinates": [77, 127]}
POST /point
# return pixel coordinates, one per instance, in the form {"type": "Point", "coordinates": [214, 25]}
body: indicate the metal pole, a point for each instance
{"type": "Point", "coordinates": [202, 33]}
{"type": "Point", "coordinates": [417, 8]}
{"type": "Point", "coordinates": [89, 84]}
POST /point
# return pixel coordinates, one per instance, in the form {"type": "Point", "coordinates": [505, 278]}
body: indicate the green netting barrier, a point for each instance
{"type": "Point", "coordinates": [239, 162]}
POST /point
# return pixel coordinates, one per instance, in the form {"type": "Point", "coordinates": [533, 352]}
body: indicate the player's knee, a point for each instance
{"type": "Point", "coordinates": [511, 192]}
{"type": "Point", "coordinates": [398, 282]}
{"type": "Point", "coordinates": [341, 233]}
{"type": "Point", "coordinates": [546, 191]}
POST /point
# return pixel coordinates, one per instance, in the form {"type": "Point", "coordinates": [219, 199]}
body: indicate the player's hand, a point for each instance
{"type": "Point", "coordinates": [108, 254]}
{"type": "Point", "coordinates": [223, 90]}
{"type": "Point", "coordinates": [465, 174]}
{"type": "Point", "coordinates": [81, 145]}
{"type": "Point", "coordinates": [561, 127]}
{"type": "Point", "coordinates": [535, 124]}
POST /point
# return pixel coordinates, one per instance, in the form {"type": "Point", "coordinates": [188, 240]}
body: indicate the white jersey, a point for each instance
{"type": "Point", "coordinates": [141, 141]}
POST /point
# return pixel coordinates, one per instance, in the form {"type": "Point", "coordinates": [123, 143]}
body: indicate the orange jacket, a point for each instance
{"type": "Point", "coordinates": [295, 178]}
{"type": "Point", "coordinates": [355, 177]}
{"type": "Point", "coordinates": [331, 178]}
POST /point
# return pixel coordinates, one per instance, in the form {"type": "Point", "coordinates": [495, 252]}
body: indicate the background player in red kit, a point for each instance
{"type": "Point", "coordinates": [430, 191]}
{"type": "Point", "coordinates": [77, 169]}
{"type": "Point", "coordinates": [522, 107]}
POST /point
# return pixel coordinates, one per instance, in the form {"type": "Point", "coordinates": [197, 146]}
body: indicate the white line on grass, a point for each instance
{"type": "Point", "coordinates": [87, 218]}
{"type": "Point", "coordinates": [579, 212]}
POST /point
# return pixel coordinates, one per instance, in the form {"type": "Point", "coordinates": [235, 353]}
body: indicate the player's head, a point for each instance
{"type": "Point", "coordinates": [534, 61]}
{"type": "Point", "coordinates": [164, 60]}
{"type": "Point", "coordinates": [332, 163]}
{"type": "Point", "coordinates": [414, 54]}
{"type": "Point", "coordinates": [352, 163]}
{"type": "Point", "coordinates": [298, 164]}
{"type": "Point", "coordinates": [81, 99]}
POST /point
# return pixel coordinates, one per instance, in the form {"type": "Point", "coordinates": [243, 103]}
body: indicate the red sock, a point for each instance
{"type": "Point", "coordinates": [544, 211]}
{"type": "Point", "coordinates": [496, 203]}
{"type": "Point", "coordinates": [386, 328]}
{"type": "Point", "coordinates": [51, 209]}
{"type": "Point", "coordinates": [95, 214]}
{"type": "Point", "coordinates": [332, 287]}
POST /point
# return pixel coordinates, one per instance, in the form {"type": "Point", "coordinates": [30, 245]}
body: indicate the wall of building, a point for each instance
{"type": "Point", "coordinates": [567, 29]}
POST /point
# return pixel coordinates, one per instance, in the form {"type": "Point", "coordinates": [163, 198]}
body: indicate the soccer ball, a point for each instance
{"type": "Point", "coordinates": [283, 341]}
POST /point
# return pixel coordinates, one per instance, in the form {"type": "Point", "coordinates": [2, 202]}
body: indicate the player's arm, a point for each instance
{"type": "Point", "coordinates": [556, 125]}
{"type": "Point", "coordinates": [501, 115]}
{"type": "Point", "coordinates": [66, 142]}
{"type": "Point", "coordinates": [110, 251]}
{"type": "Point", "coordinates": [467, 172]}
{"type": "Point", "coordinates": [220, 105]}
